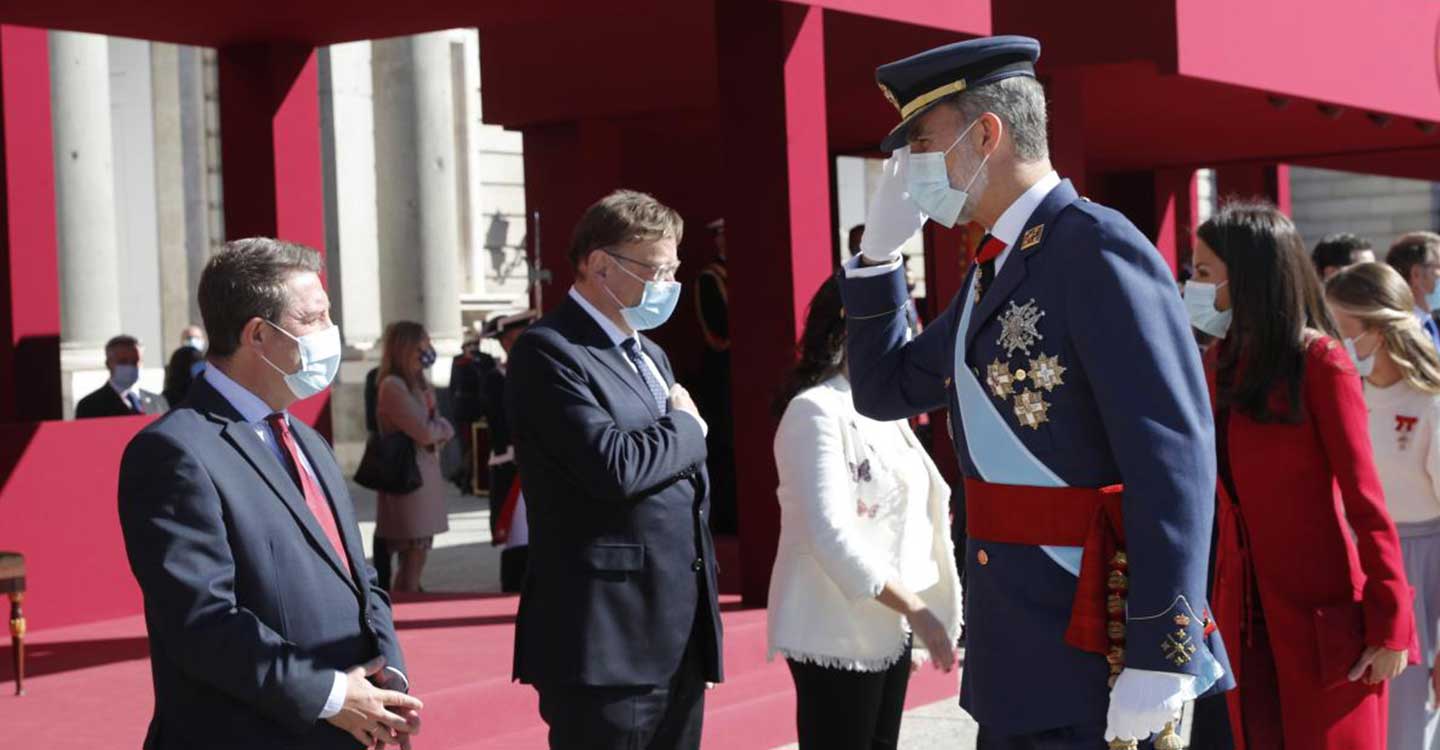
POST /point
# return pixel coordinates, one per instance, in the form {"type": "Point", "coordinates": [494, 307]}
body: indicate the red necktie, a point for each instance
{"type": "Point", "coordinates": [314, 496]}
{"type": "Point", "coordinates": [990, 249]}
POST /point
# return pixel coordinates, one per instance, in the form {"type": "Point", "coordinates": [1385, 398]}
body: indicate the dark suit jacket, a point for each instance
{"type": "Point", "coordinates": [105, 402]}
{"type": "Point", "coordinates": [248, 609]}
{"type": "Point", "coordinates": [621, 560]}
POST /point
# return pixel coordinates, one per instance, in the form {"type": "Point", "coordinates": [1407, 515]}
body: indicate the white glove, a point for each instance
{"type": "Point", "coordinates": [893, 218]}
{"type": "Point", "coordinates": [1143, 700]}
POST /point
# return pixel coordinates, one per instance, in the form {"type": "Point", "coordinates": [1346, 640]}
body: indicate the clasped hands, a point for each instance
{"type": "Point", "coordinates": [373, 714]}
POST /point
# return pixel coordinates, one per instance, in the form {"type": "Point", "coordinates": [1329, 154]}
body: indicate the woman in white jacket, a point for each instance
{"type": "Point", "coordinates": [865, 558]}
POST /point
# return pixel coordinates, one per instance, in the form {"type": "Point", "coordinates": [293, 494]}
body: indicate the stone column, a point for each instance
{"type": "Point", "coordinates": [85, 194]}
{"type": "Point", "coordinates": [416, 193]}
{"type": "Point", "coordinates": [175, 289]}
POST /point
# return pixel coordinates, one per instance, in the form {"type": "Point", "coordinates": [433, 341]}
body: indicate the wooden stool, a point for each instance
{"type": "Point", "coordinates": [12, 582]}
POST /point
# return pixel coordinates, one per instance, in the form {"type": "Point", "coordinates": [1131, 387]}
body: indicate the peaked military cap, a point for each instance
{"type": "Point", "coordinates": [917, 83]}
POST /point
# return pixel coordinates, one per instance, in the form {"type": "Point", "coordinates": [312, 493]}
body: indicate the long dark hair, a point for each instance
{"type": "Point", "coordinates": [822, 346]}
{"type": "Point", "coordinates": [1278, 306]}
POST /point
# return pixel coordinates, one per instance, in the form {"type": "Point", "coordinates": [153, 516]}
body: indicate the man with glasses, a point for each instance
{"type": "Point", "coordinates": [1417, 257]}
{"type": "Point", "coordinates": [619, 627]}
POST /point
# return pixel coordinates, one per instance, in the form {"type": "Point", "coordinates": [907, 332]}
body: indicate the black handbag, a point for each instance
{"type": "Point", "coordinates": [389, 464]}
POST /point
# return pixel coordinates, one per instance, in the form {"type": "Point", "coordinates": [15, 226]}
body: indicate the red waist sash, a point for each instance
{"type": "Point", "coordinates": [1064, 517]}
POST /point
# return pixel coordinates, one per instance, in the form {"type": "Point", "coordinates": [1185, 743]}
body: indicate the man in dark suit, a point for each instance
{"type": "Point", "coordinates": [121, 396]}
{"type": "Point", "coordinates": [503, 469]}
{"type": "Point", "coordinates": [266, 627]}
{"type": "Point", "coordinates": [619, 628]}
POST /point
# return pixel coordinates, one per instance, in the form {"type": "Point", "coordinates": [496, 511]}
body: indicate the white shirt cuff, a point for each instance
{"type": "Point", "coordinates": [704, 427]}
{"type": "Point", "coordinates": [336, 701]}
{"type": "Point", "coordinates": [405, 681]}
{"type": "Point", "coordinates": [854, 270]}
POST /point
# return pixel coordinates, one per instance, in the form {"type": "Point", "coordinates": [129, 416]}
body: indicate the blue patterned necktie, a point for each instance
{"type": "Point", "coordinates": [134, 399]}
{"type": "Point", "coordinates": [632, 350]}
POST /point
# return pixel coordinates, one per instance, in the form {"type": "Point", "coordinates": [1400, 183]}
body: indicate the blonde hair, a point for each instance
{"type": "Point", "coordinates": [402, 341]}
{"type": "Point", "coordinates": [1378, 296]}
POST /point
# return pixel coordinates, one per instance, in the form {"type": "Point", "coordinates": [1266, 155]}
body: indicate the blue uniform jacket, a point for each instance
{"type": "Point", "coordinates": [1086, 308]}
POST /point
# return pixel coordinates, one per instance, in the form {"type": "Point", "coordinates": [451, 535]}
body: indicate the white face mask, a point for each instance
{"type": "Point", "coordinates": [124, 377]}
{"type": "Point", "coordinates": [320, 354]}
{"type": "Point", "coordinates": [928, 181]}
{"type": "Point", "coordinates": [197, 343]}
{"type": "Point", "coordinates": [1200, 305]}
{"type": "Point", "coordinates": [1365, 365]}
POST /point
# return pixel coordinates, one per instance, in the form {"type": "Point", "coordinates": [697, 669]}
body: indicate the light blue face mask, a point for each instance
{"type": "Point", "coordinates": [656, 305]}
{"type": "Point", "coordinates": [1200, 304]}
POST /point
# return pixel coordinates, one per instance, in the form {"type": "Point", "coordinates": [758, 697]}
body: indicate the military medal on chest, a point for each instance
{"type": "Point", "coordinates": [1019, 332]}
{"type": "Point", "coordinates": [1019, 328]}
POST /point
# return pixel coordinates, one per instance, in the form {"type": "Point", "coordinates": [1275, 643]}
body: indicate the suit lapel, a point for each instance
{"type": "Point", "coordinates": [333, 484]}
{"type": "Point", "coordinates": [1013, 273]}
{"type": "Point", "coordinates": [593, 337]}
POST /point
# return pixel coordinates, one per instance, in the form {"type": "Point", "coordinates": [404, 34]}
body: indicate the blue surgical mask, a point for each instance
{"type": "Point", "coordinates": [427, 358]}
{"type": "Point", "coordinates": [320, 354]}
{"type": "Point", "coordinates": [656, 305]}
{"type": "Point", "coordinates": [1200, 305]}
{"type": "Point", "coordinates": [928, 181]}
{"type": "Point", "coordinates": [124, 377]}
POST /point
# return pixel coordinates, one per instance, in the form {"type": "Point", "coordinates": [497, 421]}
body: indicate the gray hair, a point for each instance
{"type": "Point", "coordinates": [247, 280]}
{"type": "Point", "coordinates": [1019, 102]}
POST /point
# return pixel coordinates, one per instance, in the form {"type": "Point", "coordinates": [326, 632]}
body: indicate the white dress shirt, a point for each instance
{"type": "Point", "coordinates": [255, 411]}
{"type": "Point", "coordinates": [618, 338]}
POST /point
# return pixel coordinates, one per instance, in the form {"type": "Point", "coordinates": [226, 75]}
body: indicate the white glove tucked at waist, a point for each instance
{"type": "Point", "coordinates": [1143, 700]}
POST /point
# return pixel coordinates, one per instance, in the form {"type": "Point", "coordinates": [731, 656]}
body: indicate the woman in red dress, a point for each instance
{"type": "Point", "coordinates": [1310, 591]}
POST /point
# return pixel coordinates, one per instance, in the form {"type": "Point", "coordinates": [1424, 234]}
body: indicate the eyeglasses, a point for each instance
{"type": "Point", "coordinates": [664, 272]}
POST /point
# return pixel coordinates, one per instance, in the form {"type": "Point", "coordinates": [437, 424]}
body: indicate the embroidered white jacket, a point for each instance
{"type": "Point", "coordinates": [841, 524]}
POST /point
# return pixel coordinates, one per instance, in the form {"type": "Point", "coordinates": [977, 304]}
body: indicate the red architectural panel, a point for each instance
{"type": "Point", "coordinates": [29, 268]}
{"type": "Point", "coordinates": [1373, 56]}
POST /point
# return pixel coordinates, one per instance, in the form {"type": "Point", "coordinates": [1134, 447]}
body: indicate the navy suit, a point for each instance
{"type": "Point", "coordinates": [620, 594]}
{"type": "Point", "coordinates": [248, 608]}
{"type": "Point", "coordinates": [1132, 409]}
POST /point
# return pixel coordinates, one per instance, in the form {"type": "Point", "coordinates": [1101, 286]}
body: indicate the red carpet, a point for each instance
{"type": "Point", "coordinates": [89, 685]}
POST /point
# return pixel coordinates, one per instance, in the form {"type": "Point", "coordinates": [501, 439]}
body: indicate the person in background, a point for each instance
{"type": "Point", "coordinates": [379, 550]}
{"type": "Point", "coordinates": [121, 395]}
{"type": "Point", "coordinates": [1374, 311]}
{"type": "Point", "coordinates": [503, 471]}
{"type": "Point", "coordinates": [186, 363]}
{"type": "Point", "coordinates": [1310, 589]}
{"type": "Point", "coordinates": [865, 560]}
{"type": "Point", "coordinates": [405, 402]}
{"type": "Point", "coordinates": [1336, 252]}
{"type": "Point", "coordinates": [465, 400]}
{"type": "Point", "coordinates": [712, 309]}
{"type": "Point", "coordinates": [1417, 257]}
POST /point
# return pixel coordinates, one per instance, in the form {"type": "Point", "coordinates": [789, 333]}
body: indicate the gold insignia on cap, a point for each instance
{"type": "Point", "coordinates": [1032, 237]}
{"type": "Point", "coordinates": [889, 96]}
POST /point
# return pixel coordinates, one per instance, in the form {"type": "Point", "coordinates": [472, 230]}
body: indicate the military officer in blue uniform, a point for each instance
{"type": "Point", "coordinates": [1079, 407]}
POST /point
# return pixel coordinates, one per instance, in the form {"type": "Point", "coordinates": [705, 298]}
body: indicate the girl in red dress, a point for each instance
{"type": "Point", "coordinates": [1310, 590]}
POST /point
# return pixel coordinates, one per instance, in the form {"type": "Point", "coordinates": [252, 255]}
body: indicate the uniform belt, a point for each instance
{"type": "Point", "coordinates": [1066, 517]}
